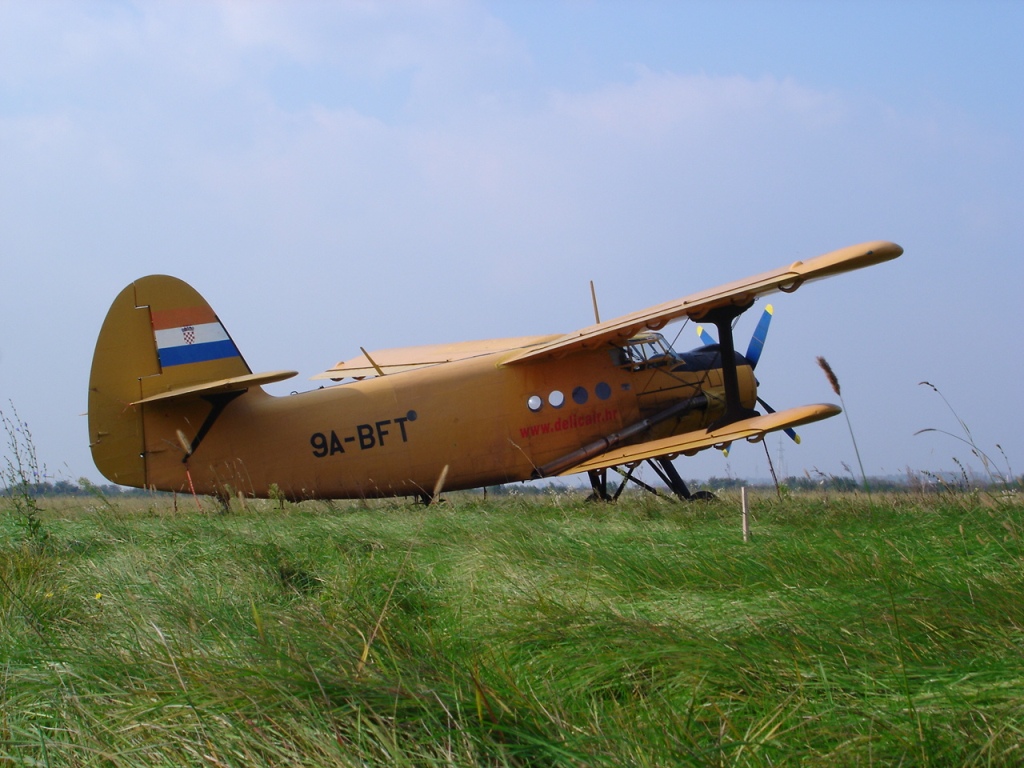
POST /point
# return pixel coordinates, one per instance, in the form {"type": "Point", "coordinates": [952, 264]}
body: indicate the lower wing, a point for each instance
{"type": "Point", "coordinates": [752, 430]}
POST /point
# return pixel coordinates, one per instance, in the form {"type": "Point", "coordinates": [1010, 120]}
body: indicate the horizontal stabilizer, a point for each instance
{"type": "Point", "coordinates": [752, 430]}
{"type": "Point", "coordinates": [220, 386]}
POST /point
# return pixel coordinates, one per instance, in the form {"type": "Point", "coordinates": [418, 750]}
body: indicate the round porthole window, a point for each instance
{"type": "Point", "coordinates": [534, 403]}
{"type": "Point", "coordinates": [557, 399]}
{"type": "Point", "coordinates": [603, 391]}
{"type": "Point", "coordinates": [579, 395]}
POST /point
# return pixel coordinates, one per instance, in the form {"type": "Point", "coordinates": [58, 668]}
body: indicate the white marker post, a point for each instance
{"type": "Point", "coordinates": [746, 514]}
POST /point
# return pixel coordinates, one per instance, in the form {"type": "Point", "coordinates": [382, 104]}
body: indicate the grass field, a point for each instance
{"type": "Point", "coordinates": [518, 631]}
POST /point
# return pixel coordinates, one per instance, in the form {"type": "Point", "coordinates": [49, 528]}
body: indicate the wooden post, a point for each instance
{"type": "Point", "coordinates": [746, 514]}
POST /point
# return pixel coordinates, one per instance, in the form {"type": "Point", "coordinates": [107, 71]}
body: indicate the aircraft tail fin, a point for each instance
{"type": "Point", "coordinates": [160, 340]}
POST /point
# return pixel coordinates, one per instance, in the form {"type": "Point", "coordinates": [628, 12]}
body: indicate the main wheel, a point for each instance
{"type": "Point", "coordinates": [702, 496]}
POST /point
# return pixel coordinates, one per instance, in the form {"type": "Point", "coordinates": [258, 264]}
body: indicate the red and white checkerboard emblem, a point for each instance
{"type": "Point", "coordinates": [189, 332]}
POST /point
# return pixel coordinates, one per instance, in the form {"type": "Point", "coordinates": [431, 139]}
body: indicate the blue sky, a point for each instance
{"type": "Point", "coordinates": [337, 175]}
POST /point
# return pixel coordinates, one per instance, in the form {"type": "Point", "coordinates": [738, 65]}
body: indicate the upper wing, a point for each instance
{"type": "Point", "coordinates": [739, 293]}
{"type": "Point", "coordinates": [752, 430]}
{"type": "Point", "coordinates": [409, 358]}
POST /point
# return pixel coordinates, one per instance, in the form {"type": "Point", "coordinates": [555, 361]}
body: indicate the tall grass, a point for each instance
{"type": "Point", "coordinates": [516, 632]}
{"type": "Point", "coordinates": [20, 473]}
{"type": "Point", "coordinates": [995, 475]}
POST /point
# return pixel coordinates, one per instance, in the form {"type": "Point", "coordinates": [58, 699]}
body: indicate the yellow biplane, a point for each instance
{"type": "Point", "coordinates": [173, 405]}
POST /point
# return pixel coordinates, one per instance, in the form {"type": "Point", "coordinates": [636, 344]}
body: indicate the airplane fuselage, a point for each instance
{"type": "Point", "coordinates": [478, 421]}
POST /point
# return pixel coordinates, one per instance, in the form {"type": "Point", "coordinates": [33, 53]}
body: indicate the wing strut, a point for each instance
{"type": "Point", "coordinates": [218, 403]}
{"type": "Point", "coordinates": [722, 317]}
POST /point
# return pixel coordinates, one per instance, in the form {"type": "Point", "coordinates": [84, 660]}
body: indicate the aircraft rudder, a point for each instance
{"type": "Point", "coordinates": [159, 335]}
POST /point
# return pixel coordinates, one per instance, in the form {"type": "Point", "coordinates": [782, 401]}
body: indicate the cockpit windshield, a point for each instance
{"type": "Point", "coordinates": [645, 351]}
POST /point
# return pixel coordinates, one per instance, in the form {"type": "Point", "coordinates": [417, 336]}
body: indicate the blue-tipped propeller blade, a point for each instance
{"type": "Point", "coordinates": [788, 430]}
{"type": "Point", "coordinates": [760, 334]}
{"type": "Point", "coordinates": [705, 337]}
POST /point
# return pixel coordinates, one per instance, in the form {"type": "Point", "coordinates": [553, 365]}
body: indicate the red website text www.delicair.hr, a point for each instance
{"type": "Point", "coordinates": [570, 422]}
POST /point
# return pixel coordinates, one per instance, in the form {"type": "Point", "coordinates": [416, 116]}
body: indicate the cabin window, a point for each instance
{"type": "Point", "coordinates": [557, 399]}
{"type": "Point", "coordinates": [579, 395]}
{"type": "Point", "coordinates": [534, 403]}
{"type": "Point", "coordinates": [647, 350]}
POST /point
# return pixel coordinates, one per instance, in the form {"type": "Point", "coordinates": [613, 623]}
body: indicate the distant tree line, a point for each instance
{"type": "Point", "coordinates": [914, 482]}
{"type": "Point", "coordinates": [81, 488]}
{"type": "Point", "coordinates": [918, 482]}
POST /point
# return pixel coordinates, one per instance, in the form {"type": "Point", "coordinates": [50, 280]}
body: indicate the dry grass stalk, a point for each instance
{"type": "Point", "coordinates": [834, 381]}
{"type": "Point", "coordinates": [830, 375]}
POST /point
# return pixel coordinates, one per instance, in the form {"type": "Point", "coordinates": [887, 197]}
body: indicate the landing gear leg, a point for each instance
{"type": "Point", "coordinates": [674, 481]}
{"type": "Point", "coordinates": [665, 470]}
{"type": "Point", "coordinates": [599, 482]}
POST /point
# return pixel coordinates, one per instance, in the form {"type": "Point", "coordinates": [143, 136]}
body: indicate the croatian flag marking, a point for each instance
{"type": "Point", "coordinates": [190, 335]}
